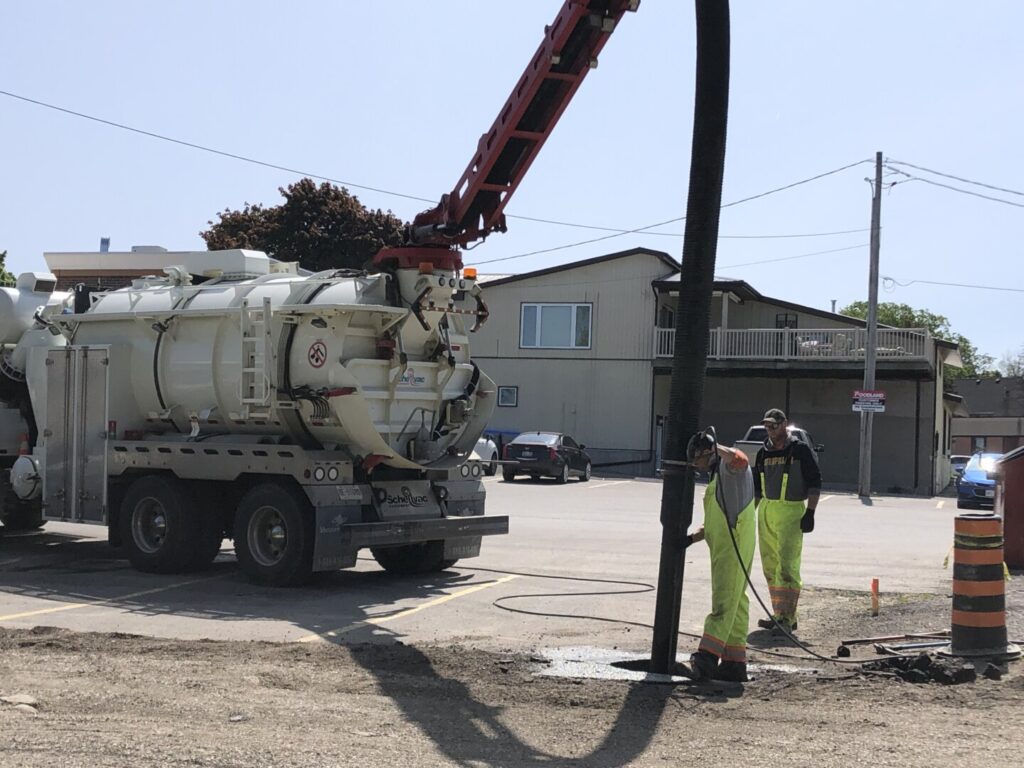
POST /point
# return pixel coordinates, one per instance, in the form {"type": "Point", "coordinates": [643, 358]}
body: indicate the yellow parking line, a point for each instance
{"type": "Point", "coordinates": [103, 601]}
{"type": "Point", "coordinates": [941, 504]}
{"type": "Point", "coordinates": [408, 612]}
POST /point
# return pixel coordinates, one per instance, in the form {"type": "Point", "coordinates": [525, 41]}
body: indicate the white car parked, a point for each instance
{"type": "Point", "coordinates": [487, 452]}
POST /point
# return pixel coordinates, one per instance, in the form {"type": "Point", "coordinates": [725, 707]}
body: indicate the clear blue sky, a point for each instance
{"type": "Point", "coordinates": [393, 94]}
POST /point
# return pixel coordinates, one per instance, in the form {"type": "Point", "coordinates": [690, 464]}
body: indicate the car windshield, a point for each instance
{"type": "Point", "coordinates": [536, 438]}
{"type": "Point", "coordinates": [985, 462]}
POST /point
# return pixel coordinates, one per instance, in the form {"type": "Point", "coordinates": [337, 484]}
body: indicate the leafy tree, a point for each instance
{"type": "Point", "coordinates": [321, 227]}
{"type": "Point", "coordinates": [976, 363]}
{"type": "Point", "coordinates": [1012, 363]}
{"type": "Point", "coordinates": [6, 278]}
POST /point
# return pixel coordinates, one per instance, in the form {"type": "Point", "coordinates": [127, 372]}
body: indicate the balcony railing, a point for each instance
{"type": "Point", "coordinates": [804, 344]}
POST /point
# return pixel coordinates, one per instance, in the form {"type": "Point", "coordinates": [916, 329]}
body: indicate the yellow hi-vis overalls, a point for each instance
{"type": "Point", "coordinates": [725, 628]}
{"type": "Point", "coordinates": [781, 542]}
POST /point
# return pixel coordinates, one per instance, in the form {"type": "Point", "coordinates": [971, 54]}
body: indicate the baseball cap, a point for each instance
{"type": "Point", "coordinates": [774, 414]}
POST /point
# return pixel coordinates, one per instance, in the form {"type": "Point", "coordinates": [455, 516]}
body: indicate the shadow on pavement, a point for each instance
{"type": "Point", "coordinates": [65, 568]}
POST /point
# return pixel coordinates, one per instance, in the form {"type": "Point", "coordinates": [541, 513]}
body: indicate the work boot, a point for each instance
{"type": "Point", "coordinates": [785, 625]}
{"type": "Point", "coordinates": [766, 623]}
{"type": "Point", "coordinates": [732, 672]}
{"type": "Point", "coordinates": [704, 665]}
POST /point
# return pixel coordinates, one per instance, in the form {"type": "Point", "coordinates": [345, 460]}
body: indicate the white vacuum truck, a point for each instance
{"type": "Point", "coordinates": [306, 417]}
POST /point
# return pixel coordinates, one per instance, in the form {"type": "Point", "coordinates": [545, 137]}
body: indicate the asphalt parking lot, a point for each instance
{"type": "Point", "coordinates": [575, 550]}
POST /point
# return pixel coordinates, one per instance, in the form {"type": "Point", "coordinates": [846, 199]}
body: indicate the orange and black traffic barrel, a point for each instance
{"type": "Point", "coordinates": [979, 592]}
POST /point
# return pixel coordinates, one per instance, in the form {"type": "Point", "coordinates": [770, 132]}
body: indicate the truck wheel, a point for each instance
{"type": "Point", "coordinates": [563, 477]}
{"type": "Point", "coordinates": [163, 529]}
{"type": "Point", "coordinates": [508, 475]}
{"type": "Point", "coordinates": [410, 559]}
{"type": "Point", "coordinates": [274, 535]}
{"type": "Point", "coordinates": [17, 514]}
{"type": "Point", "coordinates": [21, 515]}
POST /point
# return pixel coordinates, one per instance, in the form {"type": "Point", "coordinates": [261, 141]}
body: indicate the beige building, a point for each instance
{"type": "Point", "coordinates": [992, 419]}
{"type": "Point", "coordinates": [585, 348]}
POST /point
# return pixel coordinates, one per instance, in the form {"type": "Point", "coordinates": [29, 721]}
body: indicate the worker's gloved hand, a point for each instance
{"type": "Point", "coordinates": [807, 521]}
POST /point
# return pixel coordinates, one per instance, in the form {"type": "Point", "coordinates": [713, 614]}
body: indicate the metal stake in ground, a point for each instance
{"type": "Point", "coordinates": [707, 163]}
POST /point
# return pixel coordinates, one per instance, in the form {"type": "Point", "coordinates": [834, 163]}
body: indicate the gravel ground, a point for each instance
{"type": "Point", "coordinates": [96, 700]}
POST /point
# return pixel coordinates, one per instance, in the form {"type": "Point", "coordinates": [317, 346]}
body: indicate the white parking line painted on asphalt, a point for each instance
{"type": "Point", "coordinates": [826, 498]}
{"type": "Point", "coordinates": [941, 504]}
{"type": "Point", "coordinates": [103, 601]}
{"type": "Point", "coordinates": [592, 485]}
{"type": "Point", "coordinates": [408, 612]}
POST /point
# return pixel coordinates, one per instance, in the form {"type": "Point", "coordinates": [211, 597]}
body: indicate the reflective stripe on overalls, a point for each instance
{"type": "Point", "coordinates": [725, 628]}
{"type": "Point", "coordinates": [781, 543]}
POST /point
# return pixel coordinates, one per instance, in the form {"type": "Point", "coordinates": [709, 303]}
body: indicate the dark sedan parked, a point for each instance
{"type": "Point", "coordinates": [545, 453]}
{"type": "Point", "coordinates": [976, 487]}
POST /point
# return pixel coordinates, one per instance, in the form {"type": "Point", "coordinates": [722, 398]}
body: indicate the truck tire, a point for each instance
{"type": "Point", "coordinates": [16, 514]}
{"type": "Point", "coordinates": [274, 536]}
{"type": "Point", "coordinates": [163, 528]}
{"type": "Point", "coordinates": [411, 559]}
{"type": "Point", "coordinates": [27, 518]}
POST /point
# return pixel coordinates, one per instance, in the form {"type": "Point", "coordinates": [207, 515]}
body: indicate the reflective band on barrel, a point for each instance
{"type": "Point", "coordinates": [979, 593]}
{"type": "Point", "coordinates": [976, 527]}
{"type": "Point", "coordinates": [978, 556]}
{"type": "Point", "coordinates": [971, 619]}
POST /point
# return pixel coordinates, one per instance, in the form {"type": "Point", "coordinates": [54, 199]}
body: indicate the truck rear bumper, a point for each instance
{"type": "Point", "coordinates": [359, 535]}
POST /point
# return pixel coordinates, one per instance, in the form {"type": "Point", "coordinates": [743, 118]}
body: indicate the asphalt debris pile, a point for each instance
{"type": "Point", "coordinates": [927, 668]}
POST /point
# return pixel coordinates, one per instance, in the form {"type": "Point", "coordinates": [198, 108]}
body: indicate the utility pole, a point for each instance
{"type": "Point", "coordinates": [696, 280]}
{"type": "Point", "coordinates": [866, 418]}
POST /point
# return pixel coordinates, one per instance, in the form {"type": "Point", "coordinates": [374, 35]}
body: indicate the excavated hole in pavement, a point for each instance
{"type": "Point", "coordinates": [926, 668]}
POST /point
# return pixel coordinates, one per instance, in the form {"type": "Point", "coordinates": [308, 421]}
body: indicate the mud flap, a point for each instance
{"type": "Point", "coordinates": [330, 553]}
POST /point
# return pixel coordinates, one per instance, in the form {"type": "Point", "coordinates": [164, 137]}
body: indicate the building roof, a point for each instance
{"type": "Point", "coordinates": [669, 262]}
{"type": "Point", "coordinates": [956, 403]}
{"type": "Point", "coordinates": [998, 397]}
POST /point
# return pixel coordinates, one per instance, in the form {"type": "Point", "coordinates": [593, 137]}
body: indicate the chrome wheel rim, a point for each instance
{"type": "Point", "coordinates": [149, 525]}
{"type": "Point", "coordinates": [267, 536]}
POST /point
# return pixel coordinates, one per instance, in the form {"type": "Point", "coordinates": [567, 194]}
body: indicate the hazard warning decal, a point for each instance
{"type": "Point", "coordinates": [317, 354]}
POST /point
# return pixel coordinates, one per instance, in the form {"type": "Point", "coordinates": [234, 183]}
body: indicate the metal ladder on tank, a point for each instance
{"type": "Point", "coordinates": [257, 356]}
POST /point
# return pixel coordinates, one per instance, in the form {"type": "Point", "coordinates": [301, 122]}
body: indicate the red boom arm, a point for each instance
{"type": "Point", "coordinates": [475, 208]}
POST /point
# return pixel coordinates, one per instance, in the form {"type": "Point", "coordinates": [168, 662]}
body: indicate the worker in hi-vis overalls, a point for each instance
{"type": "Point", "coordinates": [728, 504]}
{"type": "Point", "coordinates": [787, 483]}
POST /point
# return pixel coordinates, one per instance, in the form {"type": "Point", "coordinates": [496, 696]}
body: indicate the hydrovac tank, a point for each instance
{"type": "Point", "coordinates": [375, 364]}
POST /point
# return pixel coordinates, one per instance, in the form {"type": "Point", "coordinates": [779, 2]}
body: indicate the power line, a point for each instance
{"type": "Point", "coordinates": [212, 151]}
{"type": "Point", "coordinates": [379, 190]}
{"type": "Point", "coordinates": [577, 282]}
{"type": "Point", "coordinates": [790, 258]}
{"type": "Point", "coordinates": [678, 218]}
{"type": "Point", "coordinates": [680, 234]}
{"type": "Point", "coordinates": [953, 285]}
{"type": "Point", "coordinates": [774, 237]}
{"type": "Point", "coordinates": [956, 178]}
{"type": "Point", "coordinates": [956, 189]}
